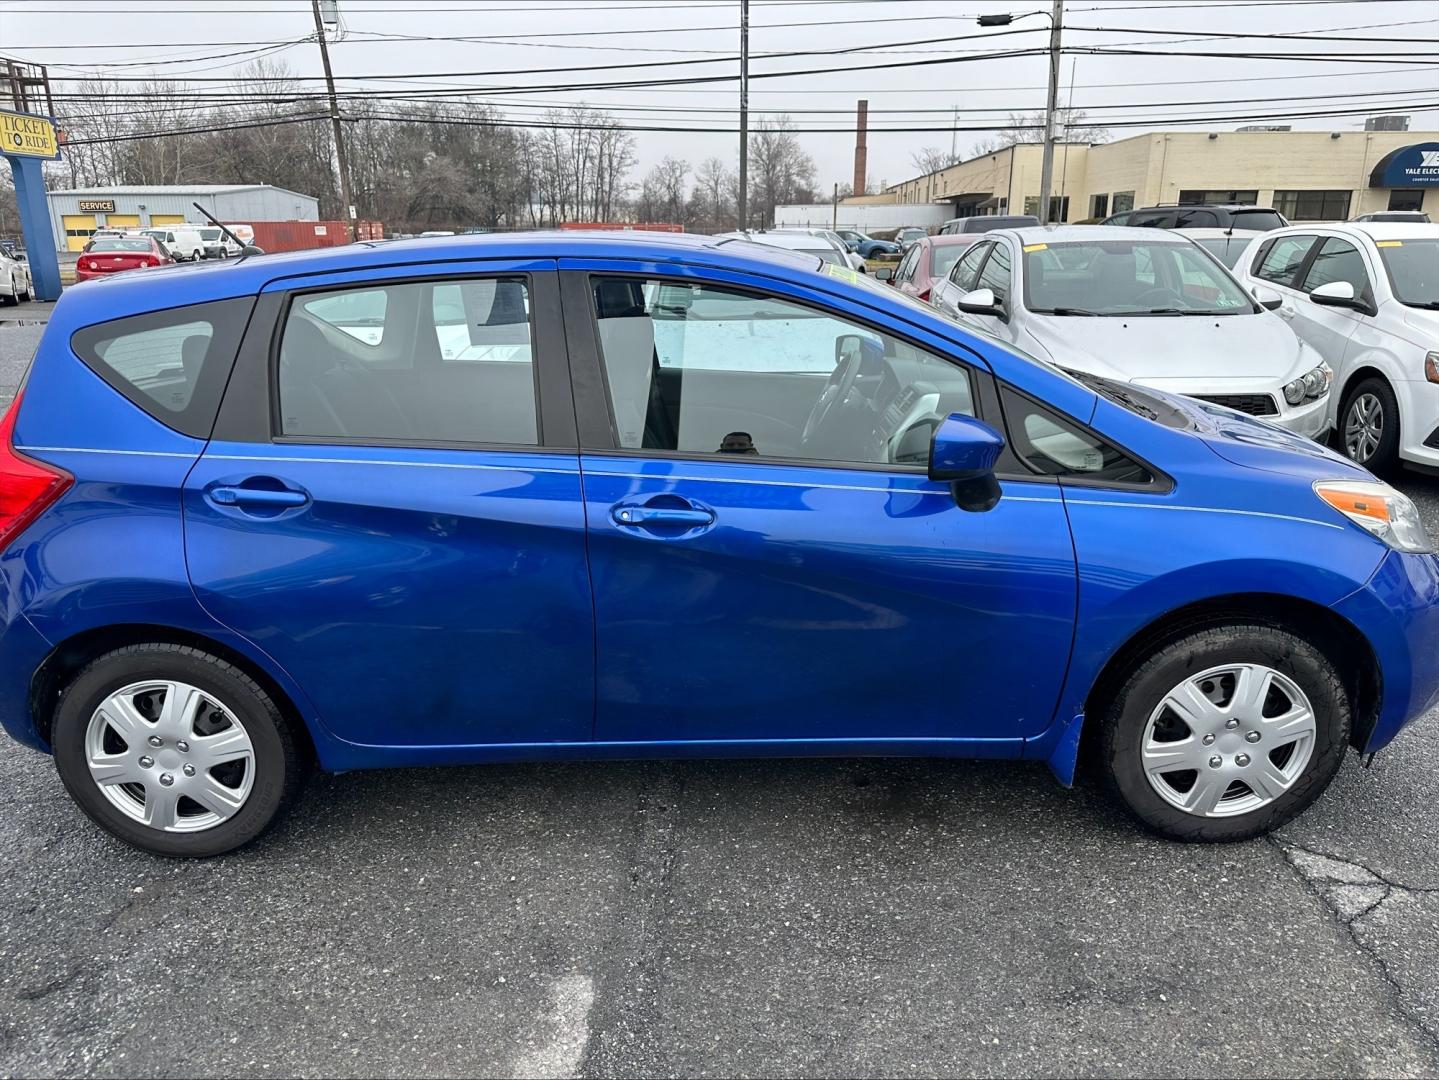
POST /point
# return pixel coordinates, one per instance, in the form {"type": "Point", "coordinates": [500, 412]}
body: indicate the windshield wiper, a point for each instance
{"type": "Point", "coordinates": [1068, 311]}
{"type": "Point", "coordinates": [1428, 305]}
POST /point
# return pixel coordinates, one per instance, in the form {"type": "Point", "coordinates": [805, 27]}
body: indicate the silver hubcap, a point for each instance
{"type": "Point", "coordinates": [1229, 740]}
{"type": "Point", "coordinates": [170, 756]}
{"type": "Point", "coordinates": [1363, 427]}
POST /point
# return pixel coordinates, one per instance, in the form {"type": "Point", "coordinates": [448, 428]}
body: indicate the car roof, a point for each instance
{"type": "Point", "coordinates": [1059, 234]}
{"type": "Point", "coordinates": [960, 239]}
{"type": "Point", "coordinates": [1375, 230]}
{"type": "Point", "coordinates": [792, 241]}
{"type": "Point", "coordinates": [125, 294]}
{"type": "Point", "coordinates": [1210, 232]}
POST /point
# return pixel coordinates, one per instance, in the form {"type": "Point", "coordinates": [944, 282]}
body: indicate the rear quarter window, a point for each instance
{"type": "Point", "coordinates": [173, 364]}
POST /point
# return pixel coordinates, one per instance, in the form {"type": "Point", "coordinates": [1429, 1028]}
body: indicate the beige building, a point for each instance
{"type": "Point", "coordinates": [1305, 175]}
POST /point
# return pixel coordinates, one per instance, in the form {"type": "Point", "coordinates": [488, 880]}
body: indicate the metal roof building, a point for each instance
{"type": "Point", "coordinates": [76, 213]}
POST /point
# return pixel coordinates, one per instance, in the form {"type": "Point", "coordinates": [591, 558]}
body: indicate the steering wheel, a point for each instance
{"type": "Point", "coordinates": [1161, 293]}
{"type": "Point", "coordinates": [836, 389]}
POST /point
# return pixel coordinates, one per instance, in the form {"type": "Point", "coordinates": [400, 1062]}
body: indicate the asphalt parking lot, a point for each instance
{"type": "Point", "coordinates": [725, 918]}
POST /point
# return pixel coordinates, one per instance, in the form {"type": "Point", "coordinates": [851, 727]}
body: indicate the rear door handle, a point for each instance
{"type": "Point", "coordinates": [647, 515]}
{"type": "Point", "coordinates": [235, 496]}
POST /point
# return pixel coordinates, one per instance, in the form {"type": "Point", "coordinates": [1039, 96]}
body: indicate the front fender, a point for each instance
{"type": "Point", "coordinates": [1192, 555]}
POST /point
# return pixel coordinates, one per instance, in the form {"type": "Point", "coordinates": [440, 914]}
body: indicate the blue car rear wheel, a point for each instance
{"type": "Point", "coordinates": [174, 751]}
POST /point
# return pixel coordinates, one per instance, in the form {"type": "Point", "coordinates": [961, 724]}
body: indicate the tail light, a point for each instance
{"type": "Point", "coordinates": [27, 487]}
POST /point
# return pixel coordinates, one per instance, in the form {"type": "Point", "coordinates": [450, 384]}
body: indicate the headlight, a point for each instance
{"type": "Point", "coordinates": [1379, 509]}
{"type": "Point", "coordinates": [1311, 386]}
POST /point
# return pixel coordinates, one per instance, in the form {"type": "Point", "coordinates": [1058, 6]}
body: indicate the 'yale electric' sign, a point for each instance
{"type": "Point", "coordinates": [1408, 167]}
{"type": "Point", "coordinates": [23, 135]}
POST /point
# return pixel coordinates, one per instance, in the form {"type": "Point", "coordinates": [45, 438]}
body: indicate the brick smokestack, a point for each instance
{"type": "Point", "coordinates": [861, 148]}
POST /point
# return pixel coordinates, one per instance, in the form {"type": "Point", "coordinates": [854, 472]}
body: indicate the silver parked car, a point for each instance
{"type": "Point", "coordinates": [1139, 305]}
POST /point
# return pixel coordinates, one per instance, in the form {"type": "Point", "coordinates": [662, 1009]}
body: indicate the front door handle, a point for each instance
{"type": "Point", "coordinates": [1286, 313]}
{"type": "Point", "coordinates": [241, 496]}
{"type": "Point", "coordinates": [665, 515]}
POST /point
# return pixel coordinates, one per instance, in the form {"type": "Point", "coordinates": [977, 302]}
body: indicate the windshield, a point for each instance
{"type": "Point", "coordinates": [1128, 277]}
{"type": "Point", "coordinates": [210, 234]}
{"type": "Point", "coordinates": [121, 244]}
{"type": "Point", "coordinates": [1413, 269]}
{"type": "Point", "coordinates": [827, 255]}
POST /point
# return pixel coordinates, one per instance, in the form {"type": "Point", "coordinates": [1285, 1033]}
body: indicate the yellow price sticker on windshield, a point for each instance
{"type": "Point", "coordinates": [1389, 243]}
{"type": "Point", "coordinates": [844, 273]}
{"type": "Point", "coordinates": [1035, 247]}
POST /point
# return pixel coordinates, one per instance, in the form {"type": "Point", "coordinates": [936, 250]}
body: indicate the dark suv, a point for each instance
{"type": "Point", "coordinates": [987, 222]}
{"type": "Point", "coordinates": [1201, 216]}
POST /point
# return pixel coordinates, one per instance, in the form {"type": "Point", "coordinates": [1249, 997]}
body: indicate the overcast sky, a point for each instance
{"type": "Point", "coordinates": [558, 34]}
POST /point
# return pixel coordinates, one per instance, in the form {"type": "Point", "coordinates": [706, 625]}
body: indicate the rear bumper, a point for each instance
{"type": "Point", "coordinates": [22, 651]}
{"type": "Point", "coordinates": [1398, 611]}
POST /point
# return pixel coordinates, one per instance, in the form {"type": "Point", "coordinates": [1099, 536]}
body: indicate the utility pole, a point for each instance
{"type": "Point", "coordinates": [346, 209]}
{"type": "Point", "coordinates": [743, 113]}
{"type": "Point", "coordinates": [1051, 109]}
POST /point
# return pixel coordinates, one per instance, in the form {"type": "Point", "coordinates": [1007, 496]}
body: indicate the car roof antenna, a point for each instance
{"type": "Point", "coordinates": [245, 249]}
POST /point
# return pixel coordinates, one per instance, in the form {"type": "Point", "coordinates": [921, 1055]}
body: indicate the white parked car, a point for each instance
{"type": "Point", "coordinates": [795, 241]}
{"type": "Point", "coordinates": [217, 244]}
{"type": "Point", "coordinates": [1365, 296]}
{"type": "Point", "coordinates": [15, 284]}
{"type": "Point", "coordinates": [1139, 305]}
{"type": "Point", "coordinates": [853, 258]}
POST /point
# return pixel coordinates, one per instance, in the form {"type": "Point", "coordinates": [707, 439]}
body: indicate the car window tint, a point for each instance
{"type": "Point", "coordinates": [1051, 445]}
{"type": "Point", "coordinates": [414, 363]}
{"type": "Point", "coordinates": [709, 370]}
{"type": "Point", "coordinates": [1337, 260]}
{"type": "Point", "coordinates": [359, 313]}
{"type": "Point", "coordinates": [967, 267]}
{"type": "Point", "coordinates": [173, 364]}
{"type": "Point", "coordinates": [1283, 259]}
{"type": "Point", "coordinates": [995, 275]}
{"type": "Point", "coordinates": [943, 259]}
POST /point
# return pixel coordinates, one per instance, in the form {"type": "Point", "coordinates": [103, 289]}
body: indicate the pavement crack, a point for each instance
{"type": "Point", "coordinates": [45, 989]}
{"type": "Point", "coordinates": [1333, 881]}
{"type": "Point", "coordinates": [627, 996]}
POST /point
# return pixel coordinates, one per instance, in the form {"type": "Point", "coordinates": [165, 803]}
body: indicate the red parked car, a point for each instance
{"type": "Point", "coordinates": [927, 260]}
{"type": "Point", "coordinates": [109, 254]}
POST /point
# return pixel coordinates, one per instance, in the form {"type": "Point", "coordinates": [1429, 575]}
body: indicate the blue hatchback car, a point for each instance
{"type": "Point", "coordinates": [478, 499]}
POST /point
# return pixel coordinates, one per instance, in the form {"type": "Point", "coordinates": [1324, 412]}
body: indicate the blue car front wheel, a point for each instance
{"type": "Point", "coordinates": [1226, 734]}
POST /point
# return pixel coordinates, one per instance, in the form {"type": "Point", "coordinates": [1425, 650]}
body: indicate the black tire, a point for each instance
{"type": "Point", "coordinates": [279, 767]}
{"type": "Point", "coordinates": [1125, 720]}
{"type": "Point", "coordinates": [1385, 458]}
{"type": "Point", "coordinates": [13, 298]}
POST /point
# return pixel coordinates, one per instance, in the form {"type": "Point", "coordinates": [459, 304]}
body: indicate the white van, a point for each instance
{"type": "Point", "coordinates": [243, 233]}
{"type": "Point", "coordinates": [184, 242]}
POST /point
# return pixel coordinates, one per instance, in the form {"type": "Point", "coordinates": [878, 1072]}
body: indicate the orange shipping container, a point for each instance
{"type": "Point", "coordinates": [304, 235]}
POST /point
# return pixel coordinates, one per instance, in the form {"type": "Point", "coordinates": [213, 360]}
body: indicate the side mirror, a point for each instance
{"type": "Point", "coordinates": [1334, 294]}
{"type": "Point", "coordinates": [981, 302]}
{"type": "Point", "coordinates": [963, 451]}
{"type": "Point", "coordinates": [1340, 294]}
{"type": "Point", "coordinates": [1268, 299]}
{"type": "Point", "coordinates": [251, 249]}
{"type": "Point", "coordinates": [884, 273]}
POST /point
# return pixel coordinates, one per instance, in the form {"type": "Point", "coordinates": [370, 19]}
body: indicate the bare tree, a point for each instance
{"type": "Point", "coordinates": [1072, 125]}
{"type": "Point", "coordinates": [780, 170]}
{"type": "Point", "coordinates": [662, 193]}
{"type": "Point", "coordinates": [931, 159]}
{"type": "Point", "coordinates": [712, 201]}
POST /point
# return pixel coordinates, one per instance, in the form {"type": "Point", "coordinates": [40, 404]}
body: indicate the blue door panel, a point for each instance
{"type": "Point", "coordinates": [823, 604]}
{"type": "Point", "coordinates": [423, 597]}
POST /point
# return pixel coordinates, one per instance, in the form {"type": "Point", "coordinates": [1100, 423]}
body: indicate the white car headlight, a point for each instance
{"type": "Point", "coordinates": [1379, 509]}
{"type": "Point", "coordinates": [1311, 386]}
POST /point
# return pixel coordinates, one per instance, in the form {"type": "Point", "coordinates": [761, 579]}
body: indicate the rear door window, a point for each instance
{"type": "Point", "coordinates": [1280, 261]}
{"type": "Point", "coordinates": [173, 364]}
{"type": "Point", "coordinates": [412, 363]}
